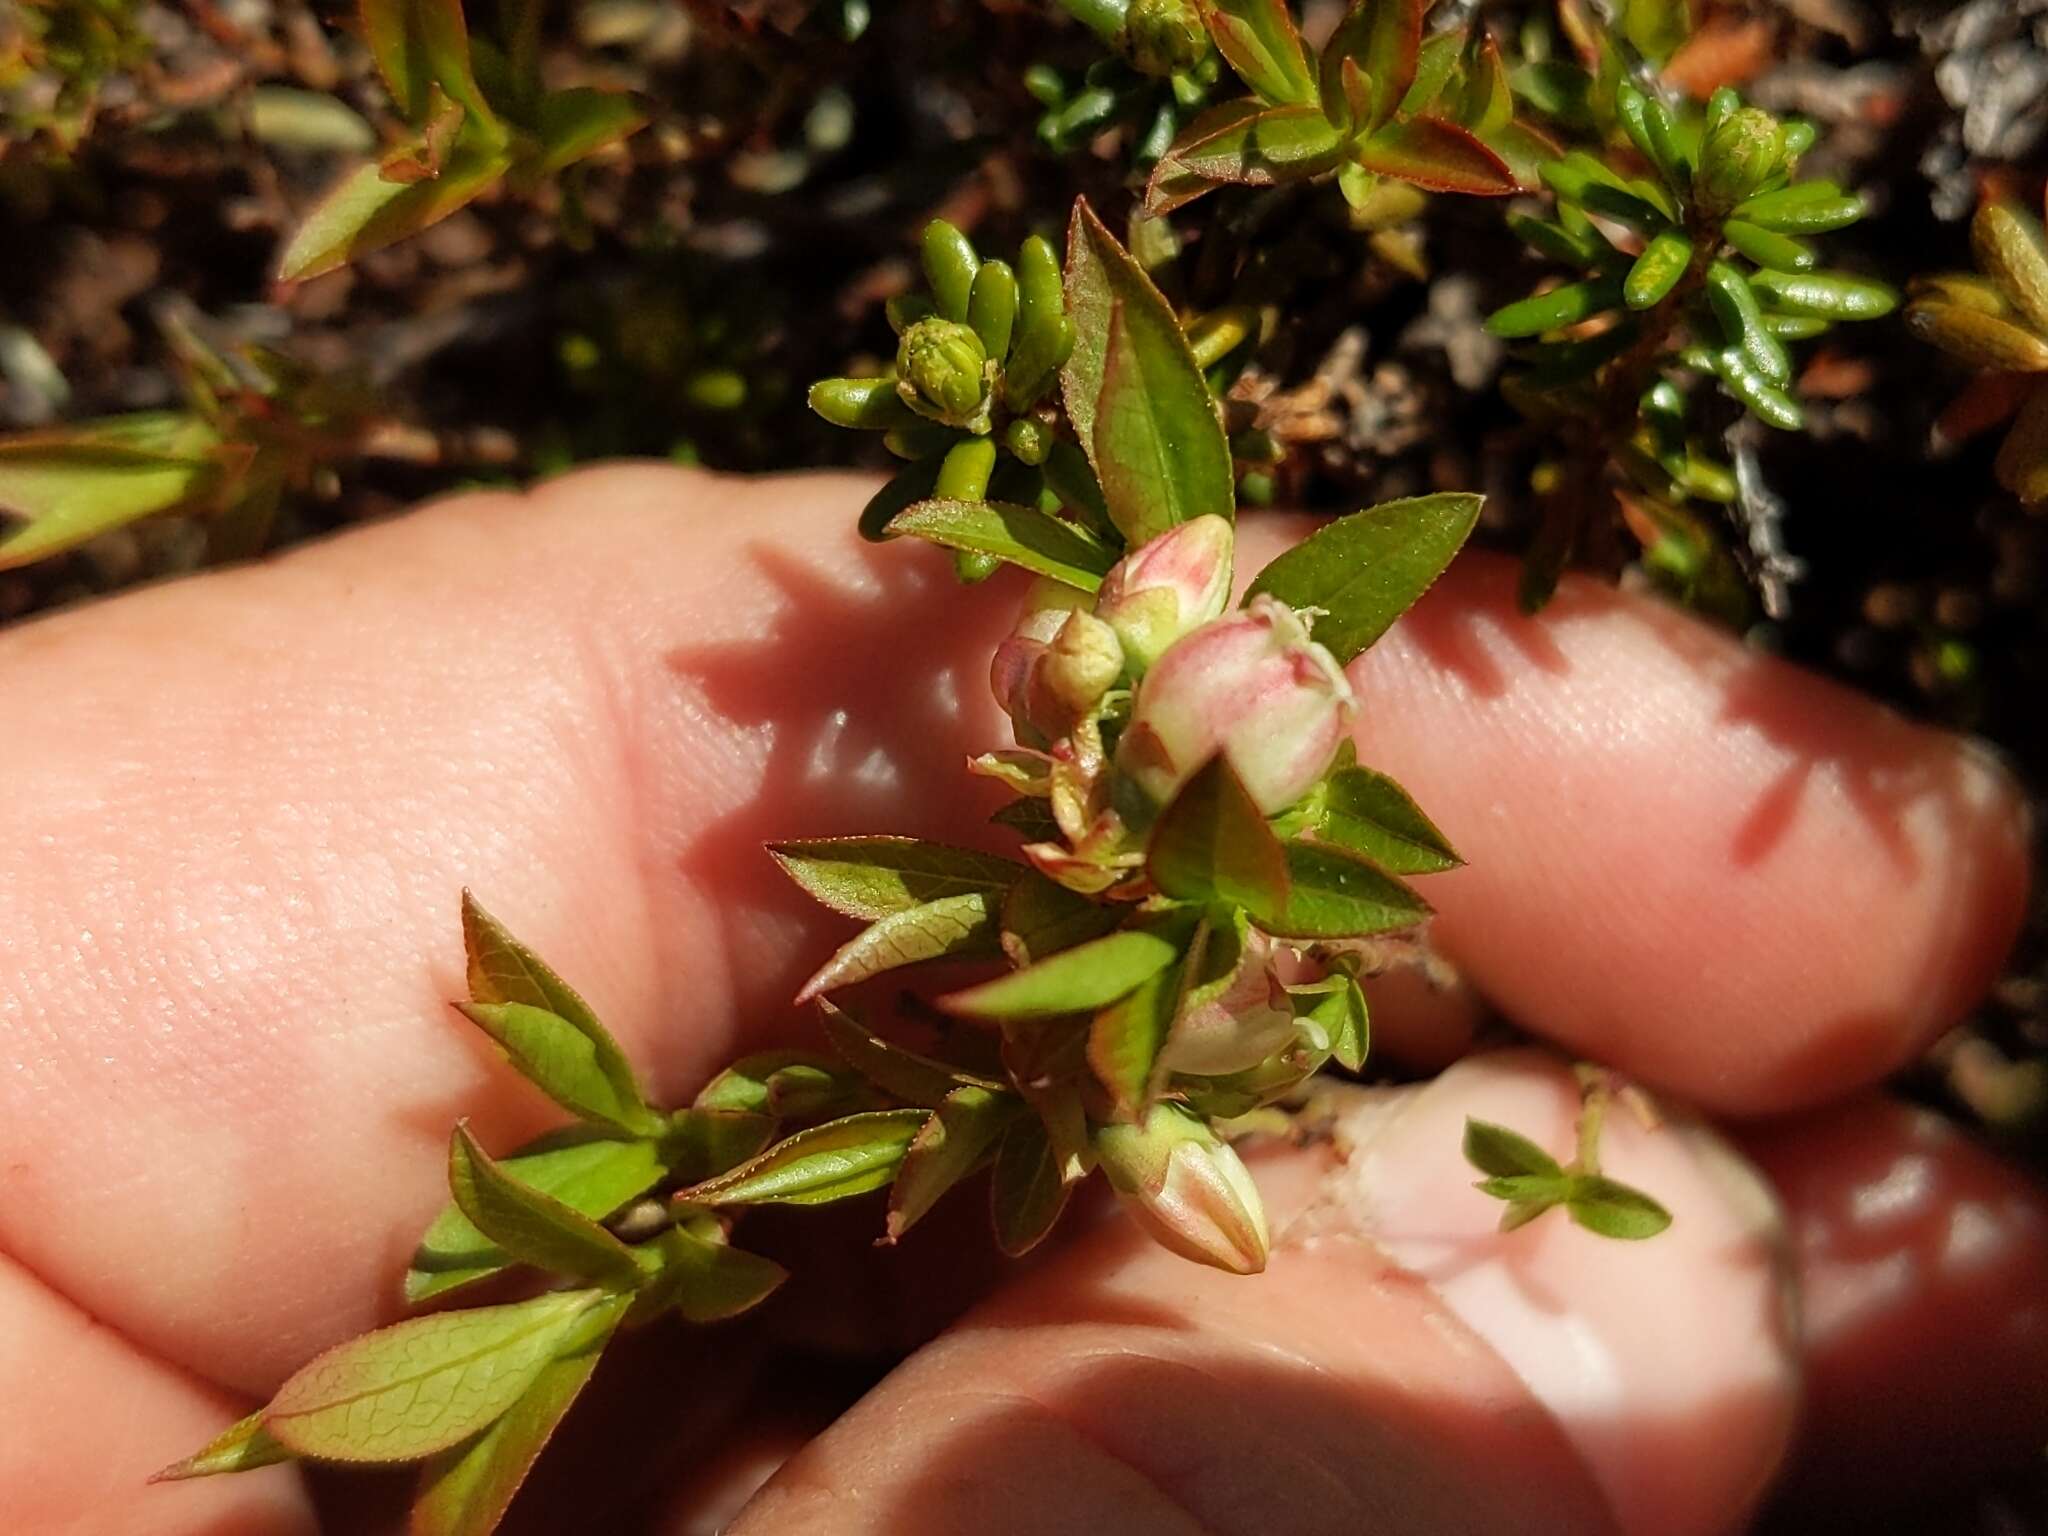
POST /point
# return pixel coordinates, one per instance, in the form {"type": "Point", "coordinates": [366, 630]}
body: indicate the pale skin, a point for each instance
{"type": "Point", "coordinates": [238, 810]}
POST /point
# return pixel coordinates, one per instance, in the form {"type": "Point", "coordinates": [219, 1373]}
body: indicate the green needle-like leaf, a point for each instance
{"type": "Point", "coordinates": [533, 1227]}
{"type": "Point", "coordinates": [1365, 570]}
{"type": "Point", "coordinates": [834, 1161]}
{"type": "Point", "coordinates": [872, 877]}
{"type": "Point", "coordinates": [1657, 271]}
{"type": "Point", "coordinates": [422, 1385]}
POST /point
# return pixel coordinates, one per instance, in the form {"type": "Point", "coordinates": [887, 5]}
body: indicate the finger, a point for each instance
{"type": "Point", "coordinates": [1400, 1365]}
{"type": "Point", "coordinates": [1923, 1264]}
{"type": "Point", "coordinates": [1687, 858]}
{"type": "Point", "coordinates": [88, 1420]}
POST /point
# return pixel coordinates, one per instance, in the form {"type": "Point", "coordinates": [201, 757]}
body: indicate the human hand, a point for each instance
{"type": "Point", "coordinates": [239, 808]}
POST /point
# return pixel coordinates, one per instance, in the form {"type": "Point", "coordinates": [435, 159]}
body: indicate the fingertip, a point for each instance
{"type": "Point", "coordinates": [1728, 876]}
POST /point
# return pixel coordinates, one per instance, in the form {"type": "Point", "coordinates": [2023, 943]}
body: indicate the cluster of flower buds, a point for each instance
{"type": "Point", "coordinates": [1176, 679]}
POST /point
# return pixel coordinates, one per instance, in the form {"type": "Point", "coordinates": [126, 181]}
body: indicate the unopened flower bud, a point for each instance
{"type": "Point", "coordinates": [1251, 685]}
{"type": "Point", "coordinates": [942, 372]}
{"type": "Point", "coordinates": [1017, 674]}
{"type": "Point", "coordinates": [1742, 152]}
{"type": "Point", "coordinates": [1184, 1185]}
{"type": "Point", "coordinates": [1082, 663]}
{"type": "Point", "coordinates": [1163, 37]}
{"type": "Point", "coordinates": [1160, 591]}
{"type": "Point", "coordinates": [1241, 1026]}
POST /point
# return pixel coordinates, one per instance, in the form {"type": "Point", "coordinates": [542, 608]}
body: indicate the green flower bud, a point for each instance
{"type": "Point", "coordinates": [1164, 37]}
{"type": "Point", "coordinates": [1742, 152]}
{"type": "Point", "coordinates": [942, 371]}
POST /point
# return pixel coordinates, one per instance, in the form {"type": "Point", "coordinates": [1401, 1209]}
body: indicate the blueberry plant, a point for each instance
{"type": "Point", "coordinates": [1204, 873]}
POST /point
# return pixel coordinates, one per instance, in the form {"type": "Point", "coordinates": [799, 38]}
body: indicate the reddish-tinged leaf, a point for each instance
{"type": "Point", "coordinates": [834, 1161]}
{"type": "Point", "coordinates": [1173, 185]}
{"type": "Point", "coordinates": [1258, 39]}
{"type": "Point", "coordinates": [952, 1144]}
{"type": "Point", "coordinates": [365, 212]}
{"type": "Point", "coordinates": [576, 123]}
{"type": "Point", "coordinates": [1266, 148]}
{"type": "Point", "coordinates": [417, 45]}
{"type": "Point", "coordinates": [1438, 156]}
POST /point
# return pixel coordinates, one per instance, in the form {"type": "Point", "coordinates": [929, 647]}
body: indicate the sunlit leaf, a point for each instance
{"type": "Point", "coordinates": [241, 1447]}
{"type": "Point", "coordinates": [953, 927]}
{"type": "Point", "coordinates": [952, 1144]}
{"type": "Point", "coordinates": [531, 1226]}
{"type": "Point", "coordinates": [66, 485]}
{"type": "Point", "coordinates": [897, 1072]}
{"type": "Point", "coordinates": [1365, 570]}
{"type": "Point", "coordinates": [872, 877]}
{"type": "Point", "coordinates": [1213, 844]}
{"type": "Point", "coordinates": [422, 1385]}
{"type": "Point", "coordinates": [1438, 156]}
{"type": "Point", "coordinates": [1502, 1153]}
{"type": "Point", "coordinates": [1332, 894]}
{"type": "Point", "coordinates": [1613, 1209]}
{"type": "Point", "coordinates": [704, 1278]}
{"type": "Point", "coordinates": [1136, 395]}
{"type": "Point", "coordinates": [834, 1161]}
{"type": "Point", "coordinates": [590, 1173]}
{"type": "Point", "coordinates": [465, 1490]}
{"type": "Point", "coordinates": [1258, 39]}
{"type": "Point", "coordinates": [366, 211]}
{"type": "Point", "coordinates": [1370, 814]}
{"type": "Point", "coordinates": [1078, 980]}
{"type": "Point", "coordinates": [1024, 536]}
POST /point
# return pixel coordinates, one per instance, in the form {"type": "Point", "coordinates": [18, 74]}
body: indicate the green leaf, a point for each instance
{"type": "Point", "coordinates": [1125, 1039]}
{"type": "Point", "coordinates": [1657, 271]}
{"type": "Point", "coordinates": [584, 1171]}
{"type": "Point", "coordinates": [418, 44]}
{"type": "Point", "coordinates": [872, 877]}
{"type": "Point", "coordinates": [953, 927]}
{"type": "Point", "coordinates": [1809, 208]}
{"type": "Point", "coordinates": [466, 1489]}
{"type": "Point", "coordinates": [504, 971]}
{"type": "Point", "coordinates": [1024, 536]}
{"type": "Point", "coordinates": [834, 1161]}
{"type": "Point", "coordinates": [422, 1385]}
{"type": "Point", "coordinates": [947, 1148]}
{"type": "Point", "coordinates": [1336, 1005]}
{"type": "Point", "coordinates": [578, 122]}
{"type": "Point", "coordinates": [242, 1447]}
{"type": "Point", "coordinates": [1613, 1209]}
{"type": "Point", "coordinates": [1212, 844]}
{"type": "Point", "coordinates": [1384, 39]}
{"type": "Point", "coordinates": [782, 1083]}
{"type": "Point", "coordinates": [703, 1142]}
{"type": "Point", "coordinates": [1365, 570]}
{"type": "Point", "coordinates": [531, 1226]}
{"type": "Point", "coordinates": [70, 484]}
{"type": "Point", "coordinates": [1041, 917]}
{"type": "Point", "coordinates": [705, 1279]}
{"type": "Point", "coordinates": [1334, 895]}
{"type": "Point", "coordinates": [1656, 28]}
{"type": "Point", "coordinates": [1136, 395]}
{"type": "Point", "coordinates": [1502, 1153]}
{"type": "Point", "coordinates": [1437, 156]}
{"type": "Point", "coordinates": [1370, 814]}
{"type": "Point", "coordinates": [1261, 149]}
{"type": "Point", "coordinates": [365, 212]}
{"type": "Point", "coordinates": [899, 1073]}
{"type": "Point", "coordinates": [1028, 1189]}
{"type": "Point", "coordinates": [1831, 295]}
{"type": "Point", "coordinates": [1078, 980]}
{"type": "Point", "coordinates": [2008, 245]}
{"type": "Point", "coordinates": [1258, 39]}
{"type": "Point", "coordinates": [1768, 248]}
{"type": "Point", "coordinates": [561, 1061]}
{"type": "Point", "coordinates": [1172, 184]}
{"type": "Point", "coordinates": [1559, 307]}
{"type": "Point", "coordinates": [913, 483]}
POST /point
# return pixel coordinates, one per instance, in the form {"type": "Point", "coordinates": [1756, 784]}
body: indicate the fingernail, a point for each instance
{"type": "Point", "coordinates": [1667, 1362]}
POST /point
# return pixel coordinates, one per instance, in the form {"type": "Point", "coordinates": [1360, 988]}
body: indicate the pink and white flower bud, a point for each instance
{"type": "Point", "coordinates": [1016, 674]}
{"type": "Point", "coordinates": [1184, 1185]}
{"type": "Point", "coordinates": [1250, 1020]}
{"type": "Point", "coordinates": [1082, 663]}
{"type": "Point", "coordinates": [1251, 685]}
{"type": "Point", "coordinates": [1159, 592]}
